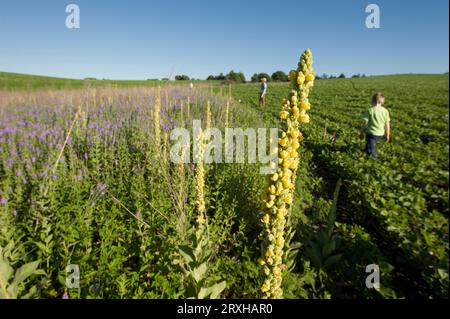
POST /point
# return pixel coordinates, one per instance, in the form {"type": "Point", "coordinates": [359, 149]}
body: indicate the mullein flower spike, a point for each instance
{"type": "Point", "coordinates": [208, 115]}
{"type": "Point", "coordinates": [227, 111]}
{"type": "Point", "coordinates": [279, 193]}
{"type": "Point", "coordinates": [200, 179]}
{"type": "Point", "coordinates": [156, 117]}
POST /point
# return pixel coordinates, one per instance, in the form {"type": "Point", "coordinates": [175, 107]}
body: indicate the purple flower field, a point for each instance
{"type": "Point", "coordinates": [84, 181]}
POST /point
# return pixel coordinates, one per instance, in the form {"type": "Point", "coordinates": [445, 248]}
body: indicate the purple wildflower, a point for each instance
{"type": "Point", "coordinates": [101, 188]}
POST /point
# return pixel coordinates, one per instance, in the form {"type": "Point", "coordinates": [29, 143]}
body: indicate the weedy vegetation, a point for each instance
{"type": "Point", "coordinates": [86, 179]}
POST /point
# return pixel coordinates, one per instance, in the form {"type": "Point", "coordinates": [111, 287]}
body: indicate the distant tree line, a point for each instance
{"type": "Point", "coordinates": [340, 76]}
{"type": "Point", "coordinates": [280, 76]}
{"type": "Point", "coordinates": [182, 77]}
{"type": "Point", "coordinates": [239, 77]}
{"type": "Point", "coordinates": [277, 76]}
{"type": "Point", "coordinates": [231, 77]}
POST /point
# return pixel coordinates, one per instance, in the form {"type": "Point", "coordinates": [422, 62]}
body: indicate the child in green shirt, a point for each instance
{"type": "Point", "coordinates": [377, 125]}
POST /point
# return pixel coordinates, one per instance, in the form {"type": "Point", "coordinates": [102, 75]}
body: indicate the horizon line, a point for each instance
{"type": "Point", "coordinates": [92, 78]}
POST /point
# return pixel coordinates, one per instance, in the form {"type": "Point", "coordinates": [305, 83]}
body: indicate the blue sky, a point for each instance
{"type": "Point", "coordinates": [156, 38]}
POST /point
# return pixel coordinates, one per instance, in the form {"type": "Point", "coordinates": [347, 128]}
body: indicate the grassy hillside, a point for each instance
{"type": "Point", "coordinates": [16, 81]}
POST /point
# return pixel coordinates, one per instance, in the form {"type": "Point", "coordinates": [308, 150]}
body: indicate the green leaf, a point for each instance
{"type": "Point", "coordinates": [443, 273]}
{"type": "Point", "coordinates": [332, 260]}
{"type": "Point", "coordinates": [328, 248]}
{"type": "Point", "coordinates": [191, 290]}
{"type": "Point", "coordinates": [332, 212]}
{"type": "Point", "coordinates": [3, 294]}
{"type": "Point", "coordinates": [217, 289]}
{"type": "Point", "coordinates": [6, 271]}
{"type": "Point", "coordinates": [49, 238]}
{"type": "Point", "coordinates": [30, 294]}
{"type": "Point", "coordinates": [203, 293]}
{"type": "Point", "coordinates": [12, 291]}
{"type": "Point", "coordinates": [199, 272]}
{"type": "Point", "coordinates": [41, 246]}
{"type": "Point", "coordinates": [201, 246]}
{"type": "Point", "coordinates": [25, 271]}
{"type": "Point", "coordinates": [187, 253]}
{"type": "Point", "coordinates": [312, 253]}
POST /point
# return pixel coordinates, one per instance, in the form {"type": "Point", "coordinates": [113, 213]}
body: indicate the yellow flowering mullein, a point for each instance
{"type": "Point", "coordinates": [200, 178]}
{"type": "Point", "coordinates": [156, 112]}
{"type": "Point", "coordinates": [181, 197]}
{"type": "Point", "coordinates": [200, 169]}
{"type": "Point", "coordinates": [167, 101]}
{"type": "Point", "coordinates": [188, 107]}
{"type": "Point", "coordinates": [94, 98]}
{"type": "Point", "coordinates": [227, 111]}
{"type": "Point", "coordinates": [181, 112]}
{"type": "Point", "coordinates": [83, 117]}
{"type": "Point", "coordinates": [165, 144]}
{"type": "Point", "coordinates": [279, 194]}
{"type": "Point", "coordinates": [208, 115]}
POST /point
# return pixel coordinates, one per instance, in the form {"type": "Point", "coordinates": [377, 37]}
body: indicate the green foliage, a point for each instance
{"type": "Point", "coordinates": [279, 76]}
{"type": "Point", "coordinates": [322, 248]}
{"type": "Point", "coordinates": [182, 77]}
{"type": "Point", "coordinates": [20, 82]}
{"type": "Point", "coordinates": [219, 77]}
{"type": "Point", "coordinates": [196, 257]}
{"type": "Point", "coordinates": [235, 77]}
{"type": "Point", "coordinates": [393, 212]}
{"type": "Point", "coordinates": [303, 284]}
{"type": "Point", "coordinates": [258, 76]}
{"type": "Point", "coordinates": [13, 281]}
{"type": "Point", "coordinates": [112, 206]}
{"type": "Point", "coordinates": [291, 251]}
{"type": "Point", "coordinates": [107, 208]}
